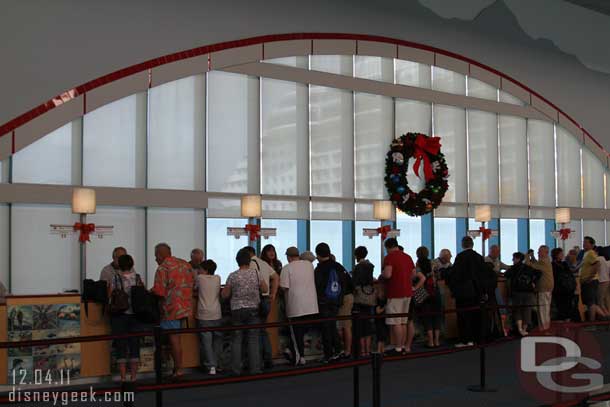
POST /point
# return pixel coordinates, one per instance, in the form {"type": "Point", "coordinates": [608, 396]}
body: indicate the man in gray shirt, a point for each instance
{"type": "Point", "coordinates": [111, 269]}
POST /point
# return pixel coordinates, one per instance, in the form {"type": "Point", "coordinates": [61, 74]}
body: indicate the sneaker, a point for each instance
{"type": "Point", "coordinates": [393, 352]}
{"type": "Point", "coordinates": [302, 361]}
{"type": "Point", "coordinates": [470, 344]}
{"type": "Point", "coordinates": [335, 357]}
{"type": "Point", "coordinates": [460, 345]}
{"type": "Point", "coordinates": [212, 371]}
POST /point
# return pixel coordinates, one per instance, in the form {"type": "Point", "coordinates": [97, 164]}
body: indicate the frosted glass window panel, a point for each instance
{"type": "Point", "coordinates": [372, 245]}
{"type": "Point", "coordinates": [53, 159]}
{"type": "Point", "coordinates": [445, 236]}
{"type": "Point", "coordinates": [286, 236]}
{"type": "Point", "coordinates": [285, 209]}
{"type": "Point", "coordinates": [537, 235]}
{"type": "Point", "coordinates": [413, 74]}
{"type": "Point", "coordinates": [300, 61]}
{"type": "Point", "coordinates": [176, 124]}
{"type": "Point", "coordinates": [593, 180]}
{"type": "Point", "coordinates": [181, 229]}
{"type": "Point", "coordinates": [374, 129]}
{"type": "Point", "coordinates": [450, 126]}
{"type": "Point", "coordinates": [337, 64]}
{"type": "Point", "coordinates": [4, 244]}
{"type": "Point", "coordinates": [225, 207]}
{"type": "Point", "coordinates": [4, 170]}
{"type": "Point", "coordinates": [222, 248]}
{"type": "Point", "coordinates": [576, 238]}
{"type": "Point", "coordinates": [285, 128]}
{"type": "Point", "coordinates": [448, 81]}
{"type": "Point", "coordinates": [114, 144]}
{"type": "Point", "coordinates": [607, 232]}
{"type": "Point", "coordinates": [508, 98]}
{"type": "Point", "coordinates": [332, 142]}
{"type": "Point", "coordinates": [513, 160]}
{"type": "Point", "coordinates": [410, 232]}
{"type": "Point", "coordinates": [374, 68]}
{"type": "Point", "coordinates": [330, 232]}
{"type": "Point", "coordinates": [483, 150]}
{"type": "Point", "coordinates": [233, 133]}
{"type": "Point", "coordinates": [541, 163]}
{"type": "Point", "coordinates": [323, 210]}
{"type": "Point", "coordinates": [482, 90]}
{"type": "Point", "coordinates": [129, 231]}
{"type": "Point", "coordinates": [42, 263]}
{"type": "Point", "coordinates": [568, 169]}
{"type": "Point", "coordinates": [478, 245]}
{"type": "Point", "coordinates": [413, 116]}
{"type": "Point", "coordinates": [509, 240]}
{"type": "Point", "coordinates": [596, 229]}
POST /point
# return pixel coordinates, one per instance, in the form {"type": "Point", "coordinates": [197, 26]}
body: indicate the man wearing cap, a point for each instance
{"type": "Point", "coordinates": [298, 283]}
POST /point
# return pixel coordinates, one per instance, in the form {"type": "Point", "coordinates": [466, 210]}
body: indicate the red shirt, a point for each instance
{"type": "Point", "coordinates": [400, 284]}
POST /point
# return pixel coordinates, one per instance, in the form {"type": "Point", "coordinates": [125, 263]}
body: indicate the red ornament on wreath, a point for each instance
{"type": "Point", "coordinates": [428, 162]}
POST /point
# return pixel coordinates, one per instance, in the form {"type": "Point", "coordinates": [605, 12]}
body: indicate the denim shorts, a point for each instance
{"type": "Point", "coordinates": [171, 324]}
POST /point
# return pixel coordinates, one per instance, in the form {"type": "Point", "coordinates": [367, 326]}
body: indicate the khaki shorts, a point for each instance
{"type": "Point", "coordinates": [397, 306]}
{"type": "Point", "coordinates": [344, 310]}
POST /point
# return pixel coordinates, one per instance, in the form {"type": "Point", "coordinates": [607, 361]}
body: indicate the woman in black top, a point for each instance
{"type": "Point", "coordinates": [564, 298]}
{"type": "Point", "coordinates": [365, 299]}
{"type": "Point", "coordinates": [432, 304]}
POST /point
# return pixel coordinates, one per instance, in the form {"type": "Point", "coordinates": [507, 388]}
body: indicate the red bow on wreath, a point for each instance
{"type": "Point", "coordinates": [85, 230]}
{"type": "Point", "coordinates": [253, 230]}
{"type": "Point", "coordinates": [383, 231]}
{"type": "Point", "coordinates": [486, 233]}
{"type": "Point", "coordinates": [564, 233]}
{"type": "Point", "coordinates": [424, 146]}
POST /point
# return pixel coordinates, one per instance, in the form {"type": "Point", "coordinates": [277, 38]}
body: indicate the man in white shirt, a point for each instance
{"type": "Point", "coordinates": [271, 278]}
{"type": "Point", "coordinates": [108, 272]}
{"type": "Point", "coordinates": [603, 293]}
{"type": "Point", "coordinates": [494, 258]}
{"type": "Point", "coordinates": [209, 315]}
{"type": "Point", "coordinates": [298, 282]}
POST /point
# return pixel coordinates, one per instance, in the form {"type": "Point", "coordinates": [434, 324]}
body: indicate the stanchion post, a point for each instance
{"type": "Point", "coordinates": [377, 361]}
{"type": "Point", "coordinates": [482, 386]}
{"type": "Point", "coordinates": [356, 352]}
{"type": "Point", "coordinates": [158, 367]}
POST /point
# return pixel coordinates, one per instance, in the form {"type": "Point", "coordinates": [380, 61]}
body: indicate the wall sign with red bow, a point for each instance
{"type": "Point", "coordinates": [84, 230]}
{"type": "Point", "coordinates": [563, 233]}
{"type": "Point", "coordinates": [483, 232]}
{"type": "Point", "coordinates": [252, 230]}
{"type": "Point", "coordinates": [429, 163]}
{"type": "Point", "coordinates": [383, 231]}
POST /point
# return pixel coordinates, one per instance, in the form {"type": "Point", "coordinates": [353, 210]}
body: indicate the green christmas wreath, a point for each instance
{"type": "Point", "coordinates": [426, 152]}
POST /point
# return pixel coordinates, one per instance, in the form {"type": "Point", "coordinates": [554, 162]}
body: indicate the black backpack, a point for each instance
{"type": "Point", "coordinates": [523, 280]}
{"type": "Point", "coordinates": [94, 291]}
{"type": "Point", "coordinates": [145, 304]}
{"type": "Point", "coordinates": [566, 282]}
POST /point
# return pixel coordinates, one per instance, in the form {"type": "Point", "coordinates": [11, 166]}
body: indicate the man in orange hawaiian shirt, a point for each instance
{"type": "Point", "coordinates": [174, 284]}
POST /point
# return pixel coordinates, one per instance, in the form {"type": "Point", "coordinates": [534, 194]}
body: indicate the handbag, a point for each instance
{"type": "Point", "coordinates": [264, 305]}
{"type": "Point", "coordinates": [119, 299]}
{"type": "Point", "coordinates": [420, 295]}
{"type": "Point", "coordinates": [365, 295]}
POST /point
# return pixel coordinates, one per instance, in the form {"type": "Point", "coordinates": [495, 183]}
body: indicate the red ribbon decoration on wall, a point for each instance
{"type": "Point", "coordinates": [253, 231]}
{"type": "Point", "coordinates": [424, 146]}
{"type": "Point", "coordinates": [564, 233]}
{"type": "Point", "coordinates": [85, 230]}
{"type": "Point", "coordinates": [383, 231]}
{"type": "Point", "coordinates": [486, 233]}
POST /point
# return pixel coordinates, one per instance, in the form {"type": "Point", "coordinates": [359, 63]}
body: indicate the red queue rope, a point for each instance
{"type": "Point", "coordinates": [99, 338]}
{"type": "Point", "coordinates": [325, 368]}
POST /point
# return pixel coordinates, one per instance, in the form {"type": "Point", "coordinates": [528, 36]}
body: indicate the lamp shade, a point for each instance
{"type": "Point", "coordinates": [562, 215]}
{"type": "Point", "coordinates": [383, 210]}
{"type": "Point", "coordinates": [251, 206]}
{"type": "Point", "coordinates": [482, 213]}
{"type": "Point", "coordinates": [83, 200]}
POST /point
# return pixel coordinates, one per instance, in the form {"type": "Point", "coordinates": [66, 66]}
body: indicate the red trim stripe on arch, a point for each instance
{"type": "Point", "coordinates": [11, 125]}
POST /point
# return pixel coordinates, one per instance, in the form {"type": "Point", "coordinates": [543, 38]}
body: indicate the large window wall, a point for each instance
{"type": "Point", "coordinates": [315, 152]}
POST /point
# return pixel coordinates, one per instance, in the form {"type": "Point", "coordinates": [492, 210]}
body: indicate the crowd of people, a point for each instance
{"type": "Point", "coordinates": [541, 287]}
